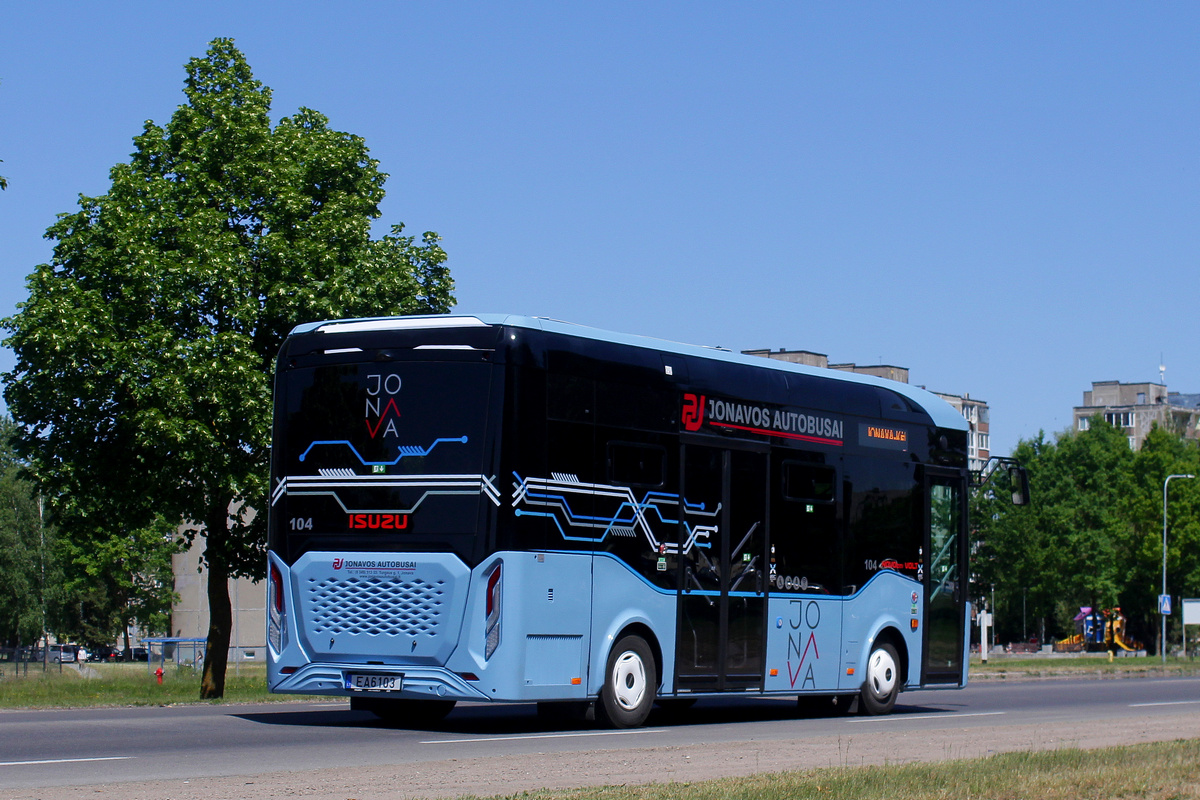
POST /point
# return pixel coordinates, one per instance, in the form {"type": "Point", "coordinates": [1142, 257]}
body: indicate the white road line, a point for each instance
{"type": "Point", "coordinates": [950, 715]}
{"type": "Point", "coordinates": [544, 736]}
{"type": "Point", "coordinates": [1169, 703]}
{"type": "Point", "coordinates": [63, 761]}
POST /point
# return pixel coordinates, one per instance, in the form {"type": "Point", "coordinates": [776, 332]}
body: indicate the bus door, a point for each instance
{"type": "Point", "coordinates": [722, 535]}
{"type": "Point", "coordinates": [945, 579]}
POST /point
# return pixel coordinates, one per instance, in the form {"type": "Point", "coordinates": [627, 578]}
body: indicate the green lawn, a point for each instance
{"type": "Point", "coordinates": [123, 685]}
{"type": "Point", "coordinates": [1089, 666]}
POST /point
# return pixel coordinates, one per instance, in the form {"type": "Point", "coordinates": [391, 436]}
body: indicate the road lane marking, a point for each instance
{"type": "Point", "coordinates": [1165, 703]}
{"type": "Point", "coordinates": [63, 761]}
{"type": "Point", "coordinates": [948, 715]}
{"type": "Point", "coordinates": [544, 736]}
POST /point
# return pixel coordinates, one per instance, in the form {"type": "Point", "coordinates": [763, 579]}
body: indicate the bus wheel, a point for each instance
{"type": "Point", "coordinates": [883, 680]}
{"type": "Point", "coordinates": [629, 684]}
{"type": "Point", "coordinates": [404, 712]}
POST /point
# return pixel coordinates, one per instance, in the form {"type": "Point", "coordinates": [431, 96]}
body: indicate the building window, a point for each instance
{"type": "Point", "coordinates": [1120, 419]}
{"type": "Point", "coordinates": [1083, 423]}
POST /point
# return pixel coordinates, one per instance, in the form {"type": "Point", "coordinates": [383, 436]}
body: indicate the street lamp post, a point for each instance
{"type": "Point", "coordinates": [1163, 648]}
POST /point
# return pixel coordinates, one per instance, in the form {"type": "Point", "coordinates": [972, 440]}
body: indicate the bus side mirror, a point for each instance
{"type": "Point", "coordinates": [1020, 483]}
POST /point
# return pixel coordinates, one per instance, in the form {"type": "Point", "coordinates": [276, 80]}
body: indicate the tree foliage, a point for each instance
{"type": "Point", "coordinates": [145, 350]}
{"type": "Point", "coordinates": [1093, 534]}
{"type": "Point", "coordinates": [28, 569]}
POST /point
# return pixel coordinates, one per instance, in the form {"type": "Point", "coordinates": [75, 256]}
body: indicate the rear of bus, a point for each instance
{"type": "Point", "coordinates": [384, 486]}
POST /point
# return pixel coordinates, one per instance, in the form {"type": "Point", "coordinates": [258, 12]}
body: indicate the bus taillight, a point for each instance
{"type": "Point", "coordinates": [276, 630]}
{"type": "Point", "coordinates": [492, 611]}
{"type": "Point", "coordinates": [277, 589]}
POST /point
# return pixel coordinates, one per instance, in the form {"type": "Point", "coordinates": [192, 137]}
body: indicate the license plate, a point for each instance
{"type": "Point", "coordinates": [369, 682]}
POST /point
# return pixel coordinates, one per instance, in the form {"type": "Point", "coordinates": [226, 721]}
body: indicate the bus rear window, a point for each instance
{"type": "Point", "coordinates": [381, 449]}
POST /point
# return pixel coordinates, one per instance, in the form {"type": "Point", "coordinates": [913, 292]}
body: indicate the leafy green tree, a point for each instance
{"type": "Point", "coordinates": [1093, 535]}
{"type": "Point", "coordinates": [116, 578]}
{"type": "Point", "coordinates": [26, 549]}
{"type": "Point", "coordinates": [145, 350]}
{"type": "Point", "coordinates": [1163, 453]}
{"type": "Point", "coordinates": [1014, 552]}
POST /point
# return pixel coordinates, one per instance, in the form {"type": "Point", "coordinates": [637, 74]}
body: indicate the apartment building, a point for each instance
{"type": "Point", "coordinates": [1135, 408]}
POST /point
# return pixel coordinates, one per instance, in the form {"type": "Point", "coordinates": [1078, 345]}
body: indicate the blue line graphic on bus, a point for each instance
{"type": "Point", "coordinates": [405, 450]}
{"type": "Point", "coordinates": [629, 517]}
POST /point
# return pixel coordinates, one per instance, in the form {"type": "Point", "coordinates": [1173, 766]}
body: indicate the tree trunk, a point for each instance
{"type": "Point", "coordinates": [220, 610]}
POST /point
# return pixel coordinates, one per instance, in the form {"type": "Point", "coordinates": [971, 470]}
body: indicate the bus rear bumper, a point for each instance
{"type": "Point", "coordinates": [415, 682]}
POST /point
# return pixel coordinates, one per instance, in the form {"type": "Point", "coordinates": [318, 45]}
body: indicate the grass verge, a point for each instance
{"type": "Point", "coordinates": [1090, 666]}
{"type": "Point", "coordinates": [91, 685]}
{"type": "Point", "coordinates": [1153, 771]}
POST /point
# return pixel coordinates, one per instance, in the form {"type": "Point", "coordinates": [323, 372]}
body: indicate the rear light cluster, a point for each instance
{"type": "Point", "coordinates": [276, 629]}
{"type": "Point", "coordinates": [492, 611]}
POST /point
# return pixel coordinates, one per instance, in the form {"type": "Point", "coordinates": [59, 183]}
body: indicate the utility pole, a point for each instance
{"type": "Point", "coordinates": [1164, 601]}
{"type": "Point", "coordinates": [42, 552]}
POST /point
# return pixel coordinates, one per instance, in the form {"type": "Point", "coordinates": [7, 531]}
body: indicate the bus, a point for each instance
{"type": "Point", "coordinates": [507, 509]}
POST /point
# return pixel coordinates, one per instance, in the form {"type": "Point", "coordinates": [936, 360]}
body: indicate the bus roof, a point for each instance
{"type": "Point", "coordinates": [940, 412]}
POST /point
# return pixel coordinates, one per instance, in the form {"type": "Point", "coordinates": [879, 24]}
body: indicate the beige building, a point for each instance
{"type": "Point", "coordinates": [974, 411]}
{"type": "Point", "coordinates": [1136, 407]}
{"type": "Point", "coordinates": [189, 616]}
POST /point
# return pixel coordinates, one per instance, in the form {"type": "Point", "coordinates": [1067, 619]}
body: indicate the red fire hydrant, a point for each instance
{"type": "Point", "coordinates": [158, 673]}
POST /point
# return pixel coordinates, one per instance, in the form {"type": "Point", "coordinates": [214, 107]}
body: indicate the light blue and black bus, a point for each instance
{"type": "Point", "coordinates": [505, 509]}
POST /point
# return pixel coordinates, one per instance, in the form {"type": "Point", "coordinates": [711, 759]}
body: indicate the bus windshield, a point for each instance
{"type": "Point", "coordinates": [380, 455]}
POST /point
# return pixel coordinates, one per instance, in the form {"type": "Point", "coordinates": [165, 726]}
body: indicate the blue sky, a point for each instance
{"type": "Point", "coordinates": [1001, 197]}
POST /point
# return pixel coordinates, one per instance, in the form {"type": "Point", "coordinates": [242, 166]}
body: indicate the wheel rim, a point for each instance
{"type": "Point", "coordinates": [629, 681]}
{"type": "Point", "coordinates": [881, 674]}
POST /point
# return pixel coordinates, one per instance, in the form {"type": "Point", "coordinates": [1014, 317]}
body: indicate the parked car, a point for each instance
{"type": "Point", "coordinates": [104, 654]}
{"type": "Point", "coordinates": [136, 654]}
{"type": "Point", "coordinates": [58, 654]}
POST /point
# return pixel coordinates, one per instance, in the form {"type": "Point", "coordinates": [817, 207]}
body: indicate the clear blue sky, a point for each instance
{"type": "Point", "coordinates": [1002, 197]}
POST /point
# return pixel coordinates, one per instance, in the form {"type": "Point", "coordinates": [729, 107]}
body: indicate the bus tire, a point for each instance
{"type": "Point", "coordinates": [882, 685]}
{"type": "Point", "coordinates": [416, 713]}
{"type": "Point", "coordinates": [630, 684]}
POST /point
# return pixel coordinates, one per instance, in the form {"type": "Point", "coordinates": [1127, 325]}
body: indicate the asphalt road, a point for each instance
{"type": "Point", "coordinates": [43, 749]}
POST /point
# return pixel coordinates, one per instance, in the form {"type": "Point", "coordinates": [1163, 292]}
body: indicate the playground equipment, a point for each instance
{"type": "Point", "coordinates": [1096, 631]}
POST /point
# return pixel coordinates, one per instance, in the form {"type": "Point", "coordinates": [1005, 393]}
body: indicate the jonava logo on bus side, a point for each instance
{"type": "Point", "coordinates": [764, 420]}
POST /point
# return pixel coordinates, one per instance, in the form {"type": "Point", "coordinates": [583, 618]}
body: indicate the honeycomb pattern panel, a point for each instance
{"type": "Point", "coordinates": [375, 606]}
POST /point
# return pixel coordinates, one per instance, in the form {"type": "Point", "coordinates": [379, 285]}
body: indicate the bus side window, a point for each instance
{"type": "Point", "coordinates": [804, 534]}
{"type": "Point", "coordinates": [636, 464]}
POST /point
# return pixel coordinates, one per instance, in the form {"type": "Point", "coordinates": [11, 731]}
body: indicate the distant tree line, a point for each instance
{"type": "Point", "coordinates": [1092, 535]}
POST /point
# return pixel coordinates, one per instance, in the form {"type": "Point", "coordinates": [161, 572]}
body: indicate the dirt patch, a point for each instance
{"type": "Point", "coordinates": [506, 775]}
